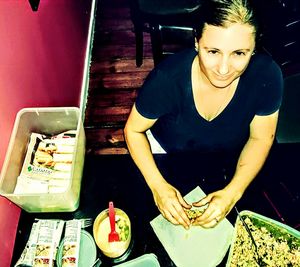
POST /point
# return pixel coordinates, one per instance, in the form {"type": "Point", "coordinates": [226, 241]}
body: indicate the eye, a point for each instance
{"type": "Point", "coordinates": [212, 52]}
{"type": "Point", "coordinates": [240, 53]}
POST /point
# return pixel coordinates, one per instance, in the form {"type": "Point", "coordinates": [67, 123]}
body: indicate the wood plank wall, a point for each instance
{"type": "Point", "coordinates": [114, 77]}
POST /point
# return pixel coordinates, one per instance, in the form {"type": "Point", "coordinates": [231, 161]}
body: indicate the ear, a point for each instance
{"type": "Point", "coordinates": [196, 45]}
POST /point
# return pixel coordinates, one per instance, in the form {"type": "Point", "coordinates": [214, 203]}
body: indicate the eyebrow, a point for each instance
{"type": "Point", "coordinates": [237, 50]}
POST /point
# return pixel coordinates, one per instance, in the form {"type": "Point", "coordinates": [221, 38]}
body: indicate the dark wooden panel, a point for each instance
{"type": "Point", "coordinates": [116, 25]}
{"type": "Point", "coordinates": [114, 77]}
{"type": "Point", "coordinates": [119, 66]}
{"type": "Point", "coordinates": [105, 141]}
{"type": "Point", "coordinates": [101, 115]}
{"type": "Point", "coordinates": [118, 80]}
{"type": "Point", "coordinates": [116, 51]}
{"type": "Point", "coordinates": [113, 12]}
{"type": "Point", "coordinates": [111, 98]}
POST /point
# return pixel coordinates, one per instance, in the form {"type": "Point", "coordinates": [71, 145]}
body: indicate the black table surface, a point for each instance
{"type": "Point", "coordinates": [116, 178]}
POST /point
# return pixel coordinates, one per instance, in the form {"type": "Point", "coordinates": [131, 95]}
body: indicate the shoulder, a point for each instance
{"type": "Point", "coordinates": [162, 90]}
{"type": "Point", "coordinates": [264, 77]}
{"type": "Point", "coordinates": [262, 65]}
{"type": "Point", "coordinates": [177, 63]}
{"type": "Point", "coordinates": [173, 71]}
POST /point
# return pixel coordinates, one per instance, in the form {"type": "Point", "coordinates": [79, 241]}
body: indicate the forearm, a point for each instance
{"type": "Point", "coordinates": [250, 162]}
{"type": "Point", "coordinates": [141, 154]}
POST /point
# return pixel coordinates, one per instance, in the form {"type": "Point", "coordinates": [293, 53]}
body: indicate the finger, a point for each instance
{"type": "Point", "coordinates": [170, 218]}
{"type": "Point", "coordinates": [214, 219]}
{"type": "Point", "coordinates": [211, 224]}
{"type": "Point", "coordinates": [203, 201]}
{"type": "Point", "coordinates": [205, 218]}
{"type": "Point", "coordinates": [182, 213]}
{"type": "Point", "coordinates": [162, 212]}
{"type": "Point", "coordinates": [183, 219]}
{"type": "Point", "coordinates": [180, 216]}
{"type": "Point", "coordinates": [182, 201]}
{"type": "Point", "coordinates": [172, 215]}
{"type": "Point", "coordinates": [209, 214]}
{"type": "Point", "coordinates": [210, 220]}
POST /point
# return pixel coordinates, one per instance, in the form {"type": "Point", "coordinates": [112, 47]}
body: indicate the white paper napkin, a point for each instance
{"type": "Point", "coordinates": [196, 247]}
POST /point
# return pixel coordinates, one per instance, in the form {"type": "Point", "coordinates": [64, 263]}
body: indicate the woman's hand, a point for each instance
{"type": "Point", "coordinates": [170, 203]}
{"type": "Point", "coordinates": [219, 203]}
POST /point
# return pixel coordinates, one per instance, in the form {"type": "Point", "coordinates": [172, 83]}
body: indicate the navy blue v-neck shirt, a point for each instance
{"type": "Point", "coordinates": [167, 96]}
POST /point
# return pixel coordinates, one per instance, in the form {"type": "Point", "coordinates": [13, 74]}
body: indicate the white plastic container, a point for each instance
{"type": "Point", "coordinates": [46, 121]}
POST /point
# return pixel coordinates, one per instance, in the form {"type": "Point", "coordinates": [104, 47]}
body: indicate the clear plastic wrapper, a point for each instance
{"type": "Point", "coordinates": [71, 244]}
{"type": "Point", "coordinates": [27, 256]}
{"type": "Point", "coordinates": [48, 163]}
{"type": "Point", "coordinates": [42, 244]}
{"type": "Point", "coordinates": [50, 232]}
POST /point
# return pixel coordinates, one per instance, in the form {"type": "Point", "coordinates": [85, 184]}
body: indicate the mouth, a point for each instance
{"type": "Point", "coordinates": [222, 78]}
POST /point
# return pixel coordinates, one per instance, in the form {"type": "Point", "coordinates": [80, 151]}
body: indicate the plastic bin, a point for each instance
{"type": "Point", "coordinates": [269, 223]}
{"type": "Point", "coordinates": [147, 260]}
{"type": "Point", "coordinates": [45, 121]}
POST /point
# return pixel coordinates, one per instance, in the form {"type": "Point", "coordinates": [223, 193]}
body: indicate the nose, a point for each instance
{"type": "Point", "coordinates": [223, 67]}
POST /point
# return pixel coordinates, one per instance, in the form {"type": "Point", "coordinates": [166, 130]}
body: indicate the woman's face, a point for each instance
{"type": "Point", "coordinates": [224, 53]}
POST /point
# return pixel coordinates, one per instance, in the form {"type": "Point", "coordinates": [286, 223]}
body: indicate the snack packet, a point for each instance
{"type": "Point", "coordinates": [42, 244]}
{"type": "Point", "coordinates": [27, 256]}
{"type": "Point", "coordinates": [48, 163]}
{"type": "Point", "coordinates": [50, 232]}
{"type": "Point", "coordinates": [71, 244]}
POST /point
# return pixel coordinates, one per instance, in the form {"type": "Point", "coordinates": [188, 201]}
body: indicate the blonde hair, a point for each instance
{"type": "Point", "coordinates": [223, 13]}
{"type": "Point", "coordinates": [237, 12]}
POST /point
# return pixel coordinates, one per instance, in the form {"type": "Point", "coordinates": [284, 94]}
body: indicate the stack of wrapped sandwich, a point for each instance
{"type": "Point", "coordinates": [48, 164]}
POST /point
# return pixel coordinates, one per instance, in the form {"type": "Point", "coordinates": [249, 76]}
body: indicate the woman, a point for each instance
{"type": "Point", "coordinates": [224, 96]}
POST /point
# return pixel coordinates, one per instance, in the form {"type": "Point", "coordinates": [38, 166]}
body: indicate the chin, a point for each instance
{"type": "Point", "coordinates": [221, 84]}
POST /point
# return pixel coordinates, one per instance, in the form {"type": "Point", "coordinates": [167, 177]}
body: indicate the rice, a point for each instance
{"type": "Point", "coordinates": [276, 247]}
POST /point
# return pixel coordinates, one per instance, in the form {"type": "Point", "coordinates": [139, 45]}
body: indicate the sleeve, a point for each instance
{"type": "Point", "coordinates": [271, 91]}
{"type": "Point", "coordinates": [156, 96]}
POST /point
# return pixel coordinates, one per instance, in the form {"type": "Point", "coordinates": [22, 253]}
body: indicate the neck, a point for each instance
{"type": "Point", "coordinates": [210, 100]}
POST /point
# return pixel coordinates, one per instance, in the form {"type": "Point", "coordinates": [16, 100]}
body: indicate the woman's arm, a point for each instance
{"type": "Point", "coordinates": [139, 147]}
{"type": "Point", "coordinates": [167, 198]}
{"type": "Point", "coordinates": [254, 154]}
{"type": "Point", "coordinates": [251, 160]}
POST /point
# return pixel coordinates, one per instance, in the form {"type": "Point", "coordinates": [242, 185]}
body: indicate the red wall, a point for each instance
{"type": "Point", "coordinates": [42, 57]}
